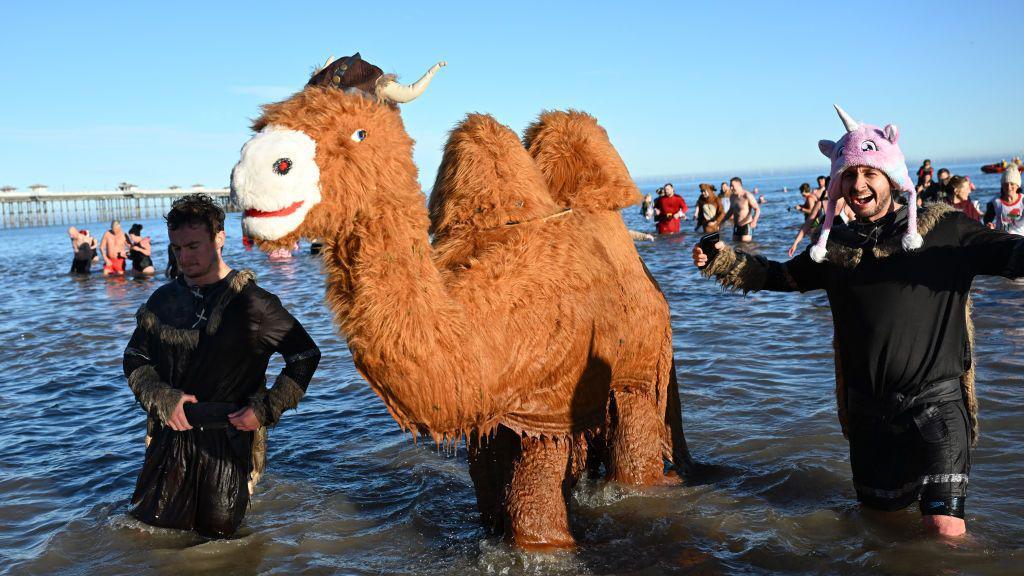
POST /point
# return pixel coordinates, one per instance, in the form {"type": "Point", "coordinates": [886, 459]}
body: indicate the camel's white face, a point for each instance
{"type": "Point", "coordinates": [276, 182]}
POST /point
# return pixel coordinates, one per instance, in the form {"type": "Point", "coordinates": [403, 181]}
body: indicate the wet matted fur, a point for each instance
{"type": "Point", "coordinates": [284, 395]}
{"type": "Point", "coordinates": [155, 396]}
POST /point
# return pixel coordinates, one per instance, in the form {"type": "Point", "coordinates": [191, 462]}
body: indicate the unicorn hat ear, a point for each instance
{"type": "Point", "coordinates": [826, 147]}
{"type": "Point", "coordinates": [892, 133]}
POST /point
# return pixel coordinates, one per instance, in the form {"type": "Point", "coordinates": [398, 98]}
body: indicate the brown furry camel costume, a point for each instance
{"type": "Point", "coordinates": [531, 327]}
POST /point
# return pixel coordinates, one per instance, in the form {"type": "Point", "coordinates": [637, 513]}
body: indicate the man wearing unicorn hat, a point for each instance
{"type": "Point", "coordinates": [898, 280]}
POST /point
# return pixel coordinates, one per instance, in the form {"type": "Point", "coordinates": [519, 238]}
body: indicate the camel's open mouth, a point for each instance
{"type": "Point", "coordinates": [254, 213]}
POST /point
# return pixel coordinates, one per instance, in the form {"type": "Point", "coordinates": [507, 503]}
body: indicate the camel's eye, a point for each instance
{"type": "Point", "coordinates": [359, 135]}
{"type": "Point", "coordinates": [282, 166]}
{"type": "Point", "coordinates": [869, 145]}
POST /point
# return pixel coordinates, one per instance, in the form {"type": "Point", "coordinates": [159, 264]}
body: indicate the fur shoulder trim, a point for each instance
{"type": "Point", "coordinates": [928, 218]}
{"type": "Point", "coordinates": [238, 283]}
{"type": "Point", "coordinates": [183, 338]}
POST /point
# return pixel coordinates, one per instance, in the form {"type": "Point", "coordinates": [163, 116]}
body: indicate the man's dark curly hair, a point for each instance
{"type": "Point", "coordinates": [196, 209]}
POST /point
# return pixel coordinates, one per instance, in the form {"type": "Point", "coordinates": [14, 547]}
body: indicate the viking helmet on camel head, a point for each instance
{"type": "Point", "coordinates": [278, 182]}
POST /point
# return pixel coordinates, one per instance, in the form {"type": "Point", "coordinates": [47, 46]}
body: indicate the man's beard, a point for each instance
{"type": "Point", "coordinates": [882, 207]}
{"type": "Point", "coordinates": [209, 267]}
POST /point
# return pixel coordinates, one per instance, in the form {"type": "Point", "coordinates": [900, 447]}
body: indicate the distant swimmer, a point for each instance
{"type": "Point", "coordinates": [647, 208]}
{"type": "Point", "coordinates": [744, 211]}
{"type": "Point", "coordinates": [809, 201]}
{"type": "Point", "coordinates": [197, 364]}
{"type": "Point", "coordinates": [725, 195]}
{"type": "Point", "coordinates": [708, 213]}
{"type": "Point", "coordinates": [83, 248]}
{"type": "Point", "coordinates": [141, 252]}
{"type": "Point", "coordinates": [114, 248]}
{"type": "Point", "coordinates": [669, 209]}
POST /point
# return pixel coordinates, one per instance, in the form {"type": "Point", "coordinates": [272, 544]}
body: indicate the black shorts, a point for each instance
{"type": "Point", "coordinates": [80, 266]}
{"type": "Point", "coordinates": [921, 455]}
{"type": "Point", "coordinates": [741, 231]}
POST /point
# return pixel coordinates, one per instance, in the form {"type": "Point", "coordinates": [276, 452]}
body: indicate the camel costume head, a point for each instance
{"type": "Point", "coordinates": [529, 327]}
{"type": "Point", "coordinates": [316, 159]}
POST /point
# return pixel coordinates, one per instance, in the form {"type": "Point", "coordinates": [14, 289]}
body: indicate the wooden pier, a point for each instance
{"type": "Point", "coordinates": [46, 208]}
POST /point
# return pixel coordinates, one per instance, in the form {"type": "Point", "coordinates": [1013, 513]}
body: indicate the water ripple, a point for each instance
{"type": "Point", "coordinates": [347, 492]}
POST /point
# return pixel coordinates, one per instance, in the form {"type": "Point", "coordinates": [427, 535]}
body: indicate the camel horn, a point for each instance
{"type": "Point", "coordinates": [402, 93]}
{"type": "Point", "coordinates": [325, 65]}
{"type": "Point", "coordinates": [849, 122]}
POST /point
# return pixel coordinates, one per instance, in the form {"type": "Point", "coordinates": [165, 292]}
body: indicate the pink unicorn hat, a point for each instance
{"type": "Point", "coordinates": [867, 145]}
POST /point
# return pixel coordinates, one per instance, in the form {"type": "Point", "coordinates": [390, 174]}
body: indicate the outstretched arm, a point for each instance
{"type": "Point", "coordinates": [282, 333]}
{"type": "Point", "coordinates": [799, 236]}
{"type": "Point", "coordinates": [990, 252]}
{"type": "Point", "coordinates": [738, 270]}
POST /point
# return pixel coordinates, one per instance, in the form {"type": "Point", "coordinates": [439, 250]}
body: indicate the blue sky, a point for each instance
{"type": "Point", "coordinates": [94, 93]}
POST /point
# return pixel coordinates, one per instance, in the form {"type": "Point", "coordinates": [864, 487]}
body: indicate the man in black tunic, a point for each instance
{"type": "Point", "coordinates": [197, 364]}
{"type": "Point", "coordinates": [898, 283]}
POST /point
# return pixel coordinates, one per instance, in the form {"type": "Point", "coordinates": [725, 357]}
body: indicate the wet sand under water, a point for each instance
{"type": "Point", "coordinates": [347, 493]}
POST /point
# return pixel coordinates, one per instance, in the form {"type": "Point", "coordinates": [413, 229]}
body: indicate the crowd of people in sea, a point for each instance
{"type": "Point", "coordinates": [112, 251]}
{"type": "Point", "coordinates": [115, 248]}
{"type": "Point", "coordinates": [733, 203]}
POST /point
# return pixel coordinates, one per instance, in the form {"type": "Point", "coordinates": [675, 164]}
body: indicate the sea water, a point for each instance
{"type": "Point", "coordinates": [347, 493]}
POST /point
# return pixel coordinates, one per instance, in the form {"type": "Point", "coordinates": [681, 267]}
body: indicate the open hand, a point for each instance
{"type": "Point", "coordinates": [178, 422]}
{"type": "Point", "coordinates": [244, 419]}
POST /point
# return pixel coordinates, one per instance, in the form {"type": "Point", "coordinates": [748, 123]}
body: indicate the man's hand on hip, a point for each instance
{"type": "Point", "coordinates": [178, 422]}
{"type": "Point", "coordinates": [244, 420]}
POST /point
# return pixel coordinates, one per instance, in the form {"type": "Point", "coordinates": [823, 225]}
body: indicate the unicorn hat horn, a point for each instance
{"type": "Point", "coordinates": [866, 145]}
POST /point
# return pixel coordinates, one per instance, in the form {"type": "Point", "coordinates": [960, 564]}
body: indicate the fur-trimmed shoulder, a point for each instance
{"type": "Point", "coordinates": [183, 338]}
{"type": "Point", "coordinates": [581, 167]}
{"type": "Point", "coordinates": [242, 279]}
{"type": "Point", "coordinates": [186, 338]}
{"type": "Point", "coordinates": [928, 217]}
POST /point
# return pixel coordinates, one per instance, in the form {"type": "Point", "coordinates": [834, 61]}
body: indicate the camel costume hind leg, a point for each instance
{"type": "Point", "coordinates": [583, 171]}
{"type": "Point", "coordinates": [511, 331]}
